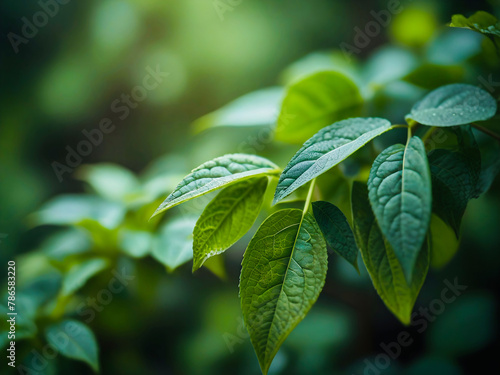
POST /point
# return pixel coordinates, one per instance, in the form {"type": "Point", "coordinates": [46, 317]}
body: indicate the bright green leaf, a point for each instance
{"type": "Point", "coordinates": [259, 108]}
{"type": "Point", "coordinates": [283, 272]}
{"type": "Point", "coordinates": [80, 273]}
{"type": "Point", "coordinates": [381, 262]}
{"type": "Point", "coordinates": [227, 218]}
{"type": "Point", "coordinates": [444, 243]}
{"type": "Point", "coordinates": [400, 194]}
{"type": "Point", "coordinates": [455, 104]}
{"type": "Point", "coordinates": [215, 174]}
{"type": "Point", "coordinates": [326, 149]}
{"type": "Point", "coordinates": [336, 230]}
{"type": "Point", "coordinates": [174, 245]}
{"type": "Point", "coordinates": [74, 340]}
{"type": "Point", "coordinates": [314, 102]}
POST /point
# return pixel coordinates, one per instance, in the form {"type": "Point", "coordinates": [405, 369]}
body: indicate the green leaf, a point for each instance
{"type": "Point", "coordinates": [381, 262]}
{"type": "Point", "coordinates": [74, 340]}
{"type": "Point", "coordinates": [432, 76]}
{"type": "Point", "coordinates": [455, 175]}
{"type": "Point", "coordinates": [110, 181]}
{"type": "Point", "coordinates": [72, 209]}
{"type": "Point", "coordinates": [258, 108]}
{"type": "Point", "coordinates": [80, 273]}
{"type": "Point", "coordinates": [400, 194]}
{"type": "Point", "coordinates": [283, 272]}
{"type": "Point", "coordinates": [442, 49]}
{"type": "Point", "coordinates": [337, 232]}
{"type": "Point", "coordinates": [326, 149]}
{"type": "Point", "coordinates": [381, 69]}
{"type": "Point", "coordinates": [481, 22]}
{"type": "Point", "coordinates": [444, 242]}
{"type": "Point", "coordinates": [227, 218]}
{"type": "Point", "coordinates": [455, 104]}
{"type": "Point", "coordinates": [490, 167]}
{"type": "Point", "coordinates": [174, 245]}
{"type": "Point", "coordinates": [319, 62]}
{"type": "Point", "coordinates": [136, 243]}
{"type": "Point", "coordinates": [215, 174]}
{"type": "Point", "coordinates": [67, 242]}
{"type": "Point", "coordinates": [314, 102]}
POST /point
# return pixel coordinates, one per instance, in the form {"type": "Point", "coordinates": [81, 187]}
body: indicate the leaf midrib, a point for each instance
{"type": "Point", "coordinates": [226, 215]}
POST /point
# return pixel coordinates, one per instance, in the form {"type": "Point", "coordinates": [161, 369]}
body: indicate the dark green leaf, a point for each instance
{"type": "Point", "coordinates": [314, 102]}
{"type": "Point", "coordinates": [400, 194]}
{"type": "Point", "coordinates": [455, 176]}
{"type": "Point", "coordinates": [74, 340]}
{"type": "Point", "coordinates": [326, 149]}
{"type": "Point", "coordinates": [215, 174]}
{"type": "Point", "coordinates": [381, 262]}
{"type": "Point", "coordinates": [227, 218]}
{"type": "Point", "coordinates": [456, 104]}
{"type": "Point", "coordinates": [432, 76]}
{"type": "Point", "coordinates": [489, 170]}
{"type": "Point", "coordinates": [336, 230]}
{"type": "Point", "coordinates": [283, 272]}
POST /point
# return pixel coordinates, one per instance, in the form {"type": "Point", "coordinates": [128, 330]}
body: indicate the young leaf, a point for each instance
{"type": "Point", "coordinates": [79, 274]}
{"type": "Point", "coordinates": [444, 242]}
{"type": "Point", "coordinates": [174, 245]}
{"type": "Point", "coordinates": [455, 104]}
{"type": "Point", "coordinates": [214, 174]}
{"type": "Point", "coordinates": [314, 102]}
{"type": "Point", "coordinates": [336, 230]}
{"type": "Point", "coordinates": [381, 262]}
{"type": "Point", "coordinates": [227, 218]}
{"type": "Point", "coordinates": [74, 340]}
{"type": "Point", "coordinates": [326, 149]}
{"type": "Point", "coordinates": [283, 272]}
{"type": "Point", "coordinates": [400, 194]}
{"type": "Point", "coordinates": [258, 108]}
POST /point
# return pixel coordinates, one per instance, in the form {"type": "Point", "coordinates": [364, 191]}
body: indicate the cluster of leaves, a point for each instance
{"type": "Point", "coordinates": [97, 236]}
{"type": "Point", "coordinates": [404, 201]}
{"type": "Point", "coordinates": [408, 188]}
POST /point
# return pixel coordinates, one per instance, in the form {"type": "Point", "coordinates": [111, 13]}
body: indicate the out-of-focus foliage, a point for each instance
{"type": "Point", "coordinates": [84, 248]}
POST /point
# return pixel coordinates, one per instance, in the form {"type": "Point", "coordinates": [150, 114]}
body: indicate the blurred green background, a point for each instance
{"type": "Point", "coordinates": [65, 79]}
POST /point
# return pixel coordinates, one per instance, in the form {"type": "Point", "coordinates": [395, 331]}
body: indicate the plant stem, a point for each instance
{"type": "Point", "coordinates": [487, 131]}
{"type": "Point", "coordinates": [309, 196]}
{"type": "Point", "coordinates": [408, 136]}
